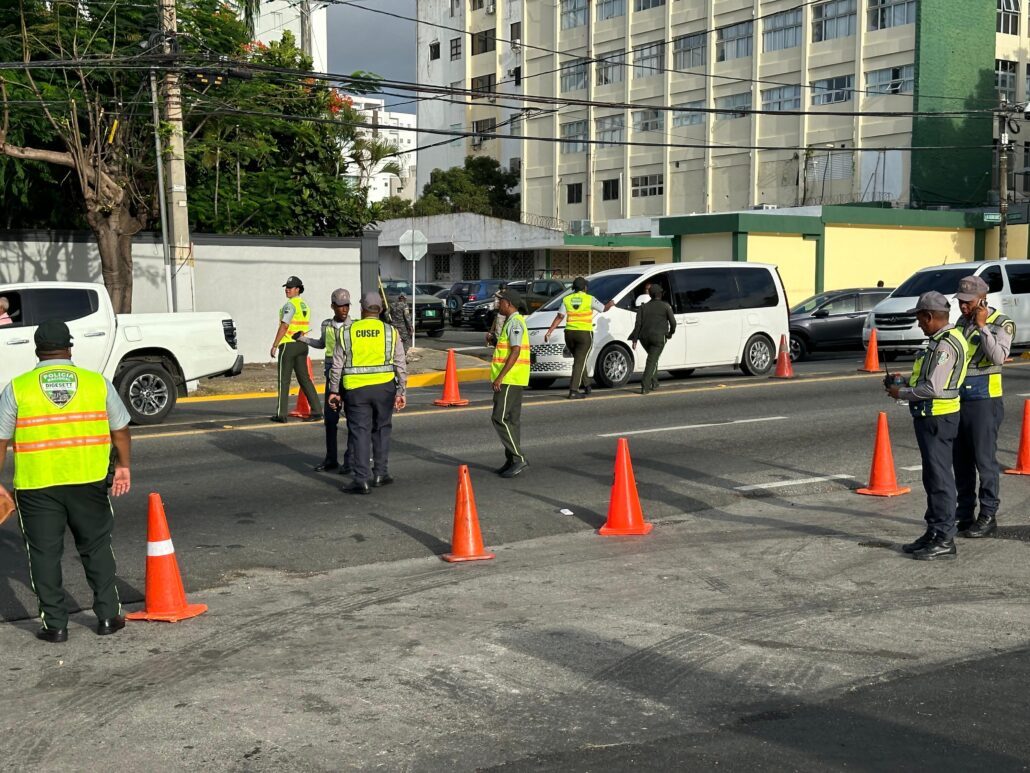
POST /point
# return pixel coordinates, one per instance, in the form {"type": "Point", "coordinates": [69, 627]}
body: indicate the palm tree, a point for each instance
{"type": "Point", "coordinates": [251, 11]}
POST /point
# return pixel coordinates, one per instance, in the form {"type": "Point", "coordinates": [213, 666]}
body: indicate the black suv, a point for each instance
{"type": "Point", "coordinates": [832, 320]}
{"type": "Point", "coordinates": [472, 290]}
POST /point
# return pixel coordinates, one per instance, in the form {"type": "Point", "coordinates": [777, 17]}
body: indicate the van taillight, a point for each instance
{"type": "Point", "coordinates": [471, 297]}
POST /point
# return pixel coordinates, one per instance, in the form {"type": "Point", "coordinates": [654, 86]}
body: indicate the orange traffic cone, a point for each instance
{"type": "Point", "coordinates": [624, 514]}
{"type": "Point", "coordinates": [466, 541]}
{"type": "Point", "coordinates": [165, 598]}
{"type": "Point", "coordinates": [1023, 457]}
{"type": "Point", "coordinates": [784, 368]}
{"type": "Point", "coordinates": [451, 393]}
{"type": "Point", "coordinates": [303, 410]}
{"type": "Point", "coordinates": [882, 480]}
{"type": "Point", "coordinates": [872, 356]}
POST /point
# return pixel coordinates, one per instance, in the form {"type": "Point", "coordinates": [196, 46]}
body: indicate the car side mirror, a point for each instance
{"type": "Point", "coordinates": [820, 313]}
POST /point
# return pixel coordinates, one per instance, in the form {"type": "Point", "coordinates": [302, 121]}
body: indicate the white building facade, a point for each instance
{"type": "Point", "coordinates": [398, 129]}
{"type": "Point", "coordinates": [277, 16]}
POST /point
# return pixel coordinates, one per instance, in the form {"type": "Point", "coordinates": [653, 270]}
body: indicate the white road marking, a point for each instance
{"type": "Point", "coordinates": [692, 426]}
{"type": "Point", "coordinates": [798, 482]}
{"type": "Point", "coordinates": [470, 348]}
{"type": "Point", "coordinates": [913, 468]}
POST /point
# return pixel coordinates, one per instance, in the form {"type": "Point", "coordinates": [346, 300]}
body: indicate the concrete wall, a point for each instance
{"type": "Point", "coordinates": [706, 247]}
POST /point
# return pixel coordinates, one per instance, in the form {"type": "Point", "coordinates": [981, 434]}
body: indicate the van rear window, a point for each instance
{"type": "Point", "coordinates": [757, 288]}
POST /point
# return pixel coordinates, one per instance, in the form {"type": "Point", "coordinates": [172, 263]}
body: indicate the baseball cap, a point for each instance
{"type": "Point", "coordinates": [341, 297]}
{"type": "Point", "coordinates": [371, 300]}
{"type": "Point", "coordinates": [931, 301]}
{"type": "Point", "coordinates": [512, 296]}
{"type": "Point", "coordinates": [293, 282]}
{"type": "Point", "coordinates": [970, 288]}
{"type": "Point", "coordinates": [53, 334]}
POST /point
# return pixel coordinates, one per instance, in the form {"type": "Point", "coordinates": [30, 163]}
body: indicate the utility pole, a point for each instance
{"type": "Point", "coordinates": [1003, 182]}
{"type": "Point", "coordinates": [306, 34]}
{"type": "Point", "coordinates": [178, 209]}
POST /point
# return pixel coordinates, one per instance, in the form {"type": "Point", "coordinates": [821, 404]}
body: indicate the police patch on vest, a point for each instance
{"type": "Point", "coordinates": [943, 357]}
{"type": "Point", "coordinates": [59, 386]}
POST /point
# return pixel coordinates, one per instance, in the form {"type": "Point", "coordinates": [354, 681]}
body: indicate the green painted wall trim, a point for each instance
{"type": "Point", "coordinates": [617, 241]}
{"type": "Point", "coordinates": [677, 247]}
{"type": "Point", "coordinates": [979, 244]}
{"type": "Point", "coordinates": [912, 218]}
{"type": "Point", "coordinates": [740, 246]}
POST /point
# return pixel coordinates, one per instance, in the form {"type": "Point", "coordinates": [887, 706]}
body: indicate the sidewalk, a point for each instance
{"type": "Point", "coordinates": [562, 645]}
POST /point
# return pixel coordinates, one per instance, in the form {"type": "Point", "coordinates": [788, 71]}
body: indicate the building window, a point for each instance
{"type": "Point", "coordinates": [643, 5]}
{"type": "Point", "coordinates": [831, 91]}
{"type": "Point", "coordinates": [476, 5]}
{"type": "Point", "coordinates": [782, 31]}
{"type": "Point", "coordinates": [648, 120]}
{"type": "Point", "coordinates": [455, 48]}
{"type": "Point", "coordinates": [486, 126]}
{"type": "Point", "coordinates": [574, 193]}
{"type": "Point", "coordinates": [1005, 79]}
{"type": "Point", "coordinates": [484, 83]}
{"type": "Point", "coordinates": [835, 19]}
{"type": "Point", "coordinates": [515, 126]}
{"type": "Point", "coordinates": [434, 51]}
{"type": "Point", "coordinates": [573, 13]}
{"type": "Point", "coordinates": [515, 165]}
{"type": "Point", "coordinates": [782, 98]}
{"type": "Point", "coordinates": [690, 51]}
{"type": "Point", "coordinates": [736, 105]}
{"type": "Point", "coordinates": [734, 41]}
{"type": "Point", "coordinates": [484, 41]}
{"type": "Point", "coordinates": [610, 130]}
{"type": "Point", "coordinates": [610, 189]}
{"type": "Point", "coordinates": [690, 114]}
{"type": "Point", "coordinates": [455, 7]}
{"type": "Point", "coordinates": [470, 265]}
{"type": "Point", "coordinates": [649, 60]}
{"type": "Point", "coordinates": [609, 9]}
{"type": "Point", "coordinates": [573, 75]}
{"type": "Point", "coordinates": [1008, 17]}
{"type": "Point", "coordinates": [441, 267]}
{"type": "Point", "coordinates": [516, 74]}
{"type": "Point", "coordinates": [611, 68]}
{"type": "Point", "coordinates": [893, 13]}
{"type": "Point", "coordinates": [891, 80]}
{"type": "Point", "coordinates": [573, 136]}
{"type": "Point", "coordinates": [648, 185]}
{"type": "Point", "coordinates": [516, 32]}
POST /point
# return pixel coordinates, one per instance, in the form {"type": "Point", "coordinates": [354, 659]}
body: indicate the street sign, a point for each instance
{"type": "Point", "coordinates": [989, 217]}
{"type": "Point", "coordinates": [414, 245]}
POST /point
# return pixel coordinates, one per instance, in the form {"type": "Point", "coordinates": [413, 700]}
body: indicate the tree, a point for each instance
{"type": "Point", "coordinates": [480, 186]}
{"type": "Point", "coordinates": [395, 207]}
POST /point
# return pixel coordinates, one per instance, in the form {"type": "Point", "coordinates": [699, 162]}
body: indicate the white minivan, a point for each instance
{"type": "Point", "coordinates": [1008, 284]}
{"type": "Point", "coordinates": [726, 314]}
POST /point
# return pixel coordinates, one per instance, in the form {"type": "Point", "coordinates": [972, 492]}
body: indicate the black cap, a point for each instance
{"type": "Point", "coordinates": [509, 295]}
{"type": "Point", "coordinates": [293, 282]}
{"type": "Point", "coordinates": [53, 335]}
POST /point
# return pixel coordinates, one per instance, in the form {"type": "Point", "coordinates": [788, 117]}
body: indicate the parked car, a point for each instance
{"type": "Point", "coordinates": [726, 313]}
{"type": "Point", "coordinates": [430, 288]}
{"type": "Point", "coordinates": [1008, 285]}
{"type": "Point", "coordinates": [429, 310]}
{"type": "Point", "coordinates": [832, 320]}
{"type": "Point", "coordinates": [535, 293]}
{"type": "Point", "coordinates": [472, 290]}
{"type": "Point", "coordinates": [148, 357]}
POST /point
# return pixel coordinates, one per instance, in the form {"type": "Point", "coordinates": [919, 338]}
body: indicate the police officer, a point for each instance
{"type": "Point", "coordinates": [64, 421]}
{"type": "Point", "coordinates": [373, 376]}
{"type": "Point", "coordinates": [509, 373]}
{"type": "Point", "coordinates": [990, 335]}
{"type": "Point", "coordinates": [294, 317]}
{"type": "Point", "coordinates": [934, 402]}
{"type": "Point", "coordinates": [333, 334]}
{"type": "Point", "coordinates": [579, 311]}
{"type": "Point", "coordinates": [400, 318]}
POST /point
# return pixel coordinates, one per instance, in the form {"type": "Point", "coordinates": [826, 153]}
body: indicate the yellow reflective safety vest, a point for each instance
{"type": "Point", "coordinates": [301, 318]}
{"type": "Point", "coordinates": [519, 373]}
{"type": "Point", "coordinates": [983, 379]}
{"type": "Point", "coordinates": [62, 436]}
{"type": "Point", "coordinates": [579, 311]}
{"type": "Point", "coordinates": [369, 358]}
{"type": "Point", "coordinates": [945, 346]}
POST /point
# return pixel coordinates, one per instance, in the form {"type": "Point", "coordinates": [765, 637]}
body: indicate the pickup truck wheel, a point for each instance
{"type": "Point", "coordinates": [614, 366]}
{"type": "Point", "coordinates": [148, 392]}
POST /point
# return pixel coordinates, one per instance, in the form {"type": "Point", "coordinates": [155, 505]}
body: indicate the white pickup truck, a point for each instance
{"type": "Point", "coordinates": [149, 357]}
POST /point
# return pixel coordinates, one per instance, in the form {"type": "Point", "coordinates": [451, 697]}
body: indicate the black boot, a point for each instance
{"type": "Point", "coordinates": [985, 526]}
{"type": "Point", "coordinates": [938, 548]}
{"type": "Point", "coordinates": [920, 543]}
{"type": "Point", "coordinates": [964, 524]}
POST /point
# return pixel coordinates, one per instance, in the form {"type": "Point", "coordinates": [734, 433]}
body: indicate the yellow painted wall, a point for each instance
{"type": "Point", "coordinates": [859, 256]}
{"type": "Point", "coordinates": [794, 257]}
{"type": "Point", "coordinates": [1017, 242]}
{"type": "Point", "coordinates": [650, 254]}
{"type": "Point", "coordinates": [706, 247]}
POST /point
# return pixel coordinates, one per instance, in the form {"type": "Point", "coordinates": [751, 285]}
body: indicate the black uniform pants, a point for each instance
{"type": "Point", "coordinates": [507, 420]}
{"type": "Point", "coordinates": [293, 359]}
{"type": "Point", "coordinates": [369, 411]}
{"type": "Point", "coordinates": [331, 417]}
{"type": "Point", "coordinates": [654, 352]}
{"type": "Point", "coordinates": [44, 514]}
{"type": "Point", "coordinates": [976, 451]}
{"type": "Point", "coordinates": [579, 342]}
{"type": "Point", "coordinates": [936, 438]}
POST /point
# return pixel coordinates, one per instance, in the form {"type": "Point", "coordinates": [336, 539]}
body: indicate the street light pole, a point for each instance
{"type": "Point", "coordinates": [169, 296]}
{"type": "Point", "coordinates": [1003, 183]}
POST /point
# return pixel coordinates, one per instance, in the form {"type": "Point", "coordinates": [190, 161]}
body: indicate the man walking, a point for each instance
{"type": "Point", "coordinates": [579, 308]}
{"type": "Point", "coordinates": [655, 325]}
{"type": "Point", "coordinates": [372, 373]}
{"type": "Point", "coordinates": [934, 402]}
{"type": "Point", "coordinates": [334, 331]}
{"type": "Point", "coordinates": [990, 334]}
{"type": "Point", "coordinates": [509, 373]}
{"type": "Point", "coordinates": [400, 318]}
{"type": "Point", "coordinates": [294, 317]}
{"type": "Point", "coordinates": [64, 421]}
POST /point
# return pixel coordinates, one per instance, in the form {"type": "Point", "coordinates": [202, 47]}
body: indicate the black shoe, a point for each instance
{"type": "Point", "coordinates": [277, 419]}
{"type": "Point", "coordinates": [919, 544]}
{"type": "Point", "coordinates": [574, 395]}
{"type": "Point", "coordinates": [587, 389]}
{"type": "Point", "coordinates": [938, 548]}
{"type": "Point", "coordinates": [964, 524]}
{"type": "Point", "coordinates": [52, 635]}
{"type": "Point", "coordinates": [515, 468]}
{"type": "Point", "coordinates": [644, 391]}
{"type": "Point", "coordinates": [985, 526]}
{"type": "Point", "coordinates": [381, 480]}
{"type": "Point", "coordinates": [311, 418]}
{"type": "Point", "coordinates": [504, 467]}
{"type": "Point", "coordinates": [357, 487]}
{"type": "Point", "coordinates": [326, 467]}
{"type": "Point", "coordinates": [110, 625]}
{"type": "Point", "coordinates": [346, 470]}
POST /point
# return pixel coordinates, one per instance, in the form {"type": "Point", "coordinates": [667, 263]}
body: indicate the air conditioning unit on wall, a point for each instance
{"type": "Point", "coordinates": [491, 8]}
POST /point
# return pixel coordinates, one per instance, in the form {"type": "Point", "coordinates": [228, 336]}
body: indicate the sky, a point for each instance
{"type": "Point", "coordinates": [360, 40]}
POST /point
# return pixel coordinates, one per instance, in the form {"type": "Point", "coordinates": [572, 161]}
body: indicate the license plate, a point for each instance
{"type": "Point", "coordinates": [429, 313]}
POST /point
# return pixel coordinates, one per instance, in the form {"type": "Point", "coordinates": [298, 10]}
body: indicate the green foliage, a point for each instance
{"type": "Point", "coordinates": [395, 207]}
{"type": "Point", "coordinates": [481, 186]}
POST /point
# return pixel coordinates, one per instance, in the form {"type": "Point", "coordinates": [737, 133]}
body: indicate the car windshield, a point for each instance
{"type": "Point", "coordinates": [396, 286]}
{"type": "Point", "coordinates": [943, 280]}
{"type": "Point", "coordinates": [811, 304]}
{"type": "Point", "coordinates": [604, 288]}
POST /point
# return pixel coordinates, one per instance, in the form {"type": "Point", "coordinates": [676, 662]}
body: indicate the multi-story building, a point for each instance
{"type": "Point", "coordinates": [472, 45]}
{"type": "Point", "coordinates": [279, 15]}
{"type": "Point", "coordinates": [398, 129]}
